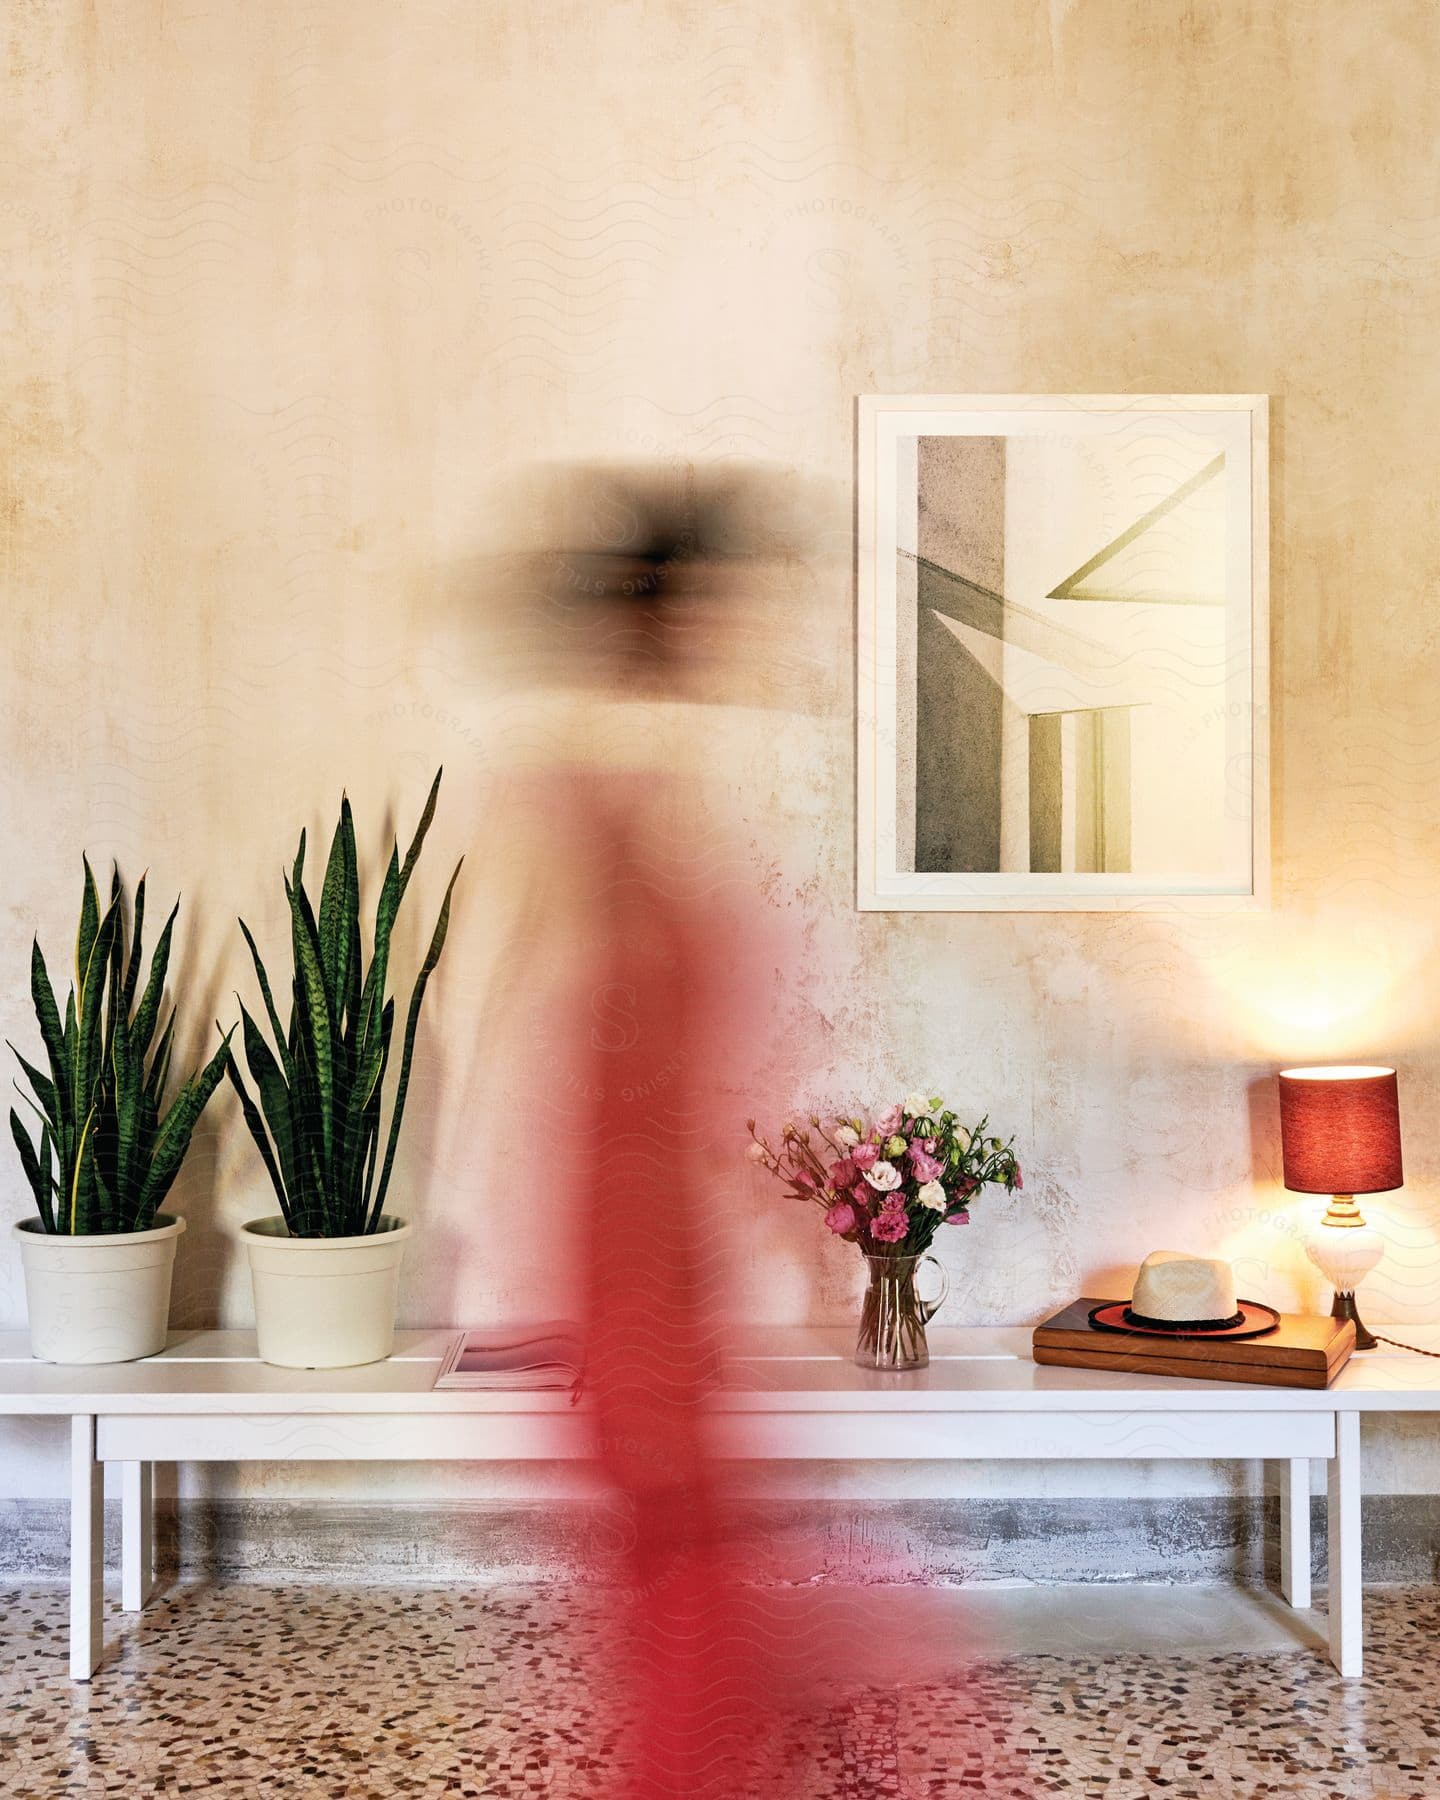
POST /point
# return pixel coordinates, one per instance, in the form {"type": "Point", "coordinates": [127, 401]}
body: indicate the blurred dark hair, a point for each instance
{"type": "Point", "coordinates": [637, 574]}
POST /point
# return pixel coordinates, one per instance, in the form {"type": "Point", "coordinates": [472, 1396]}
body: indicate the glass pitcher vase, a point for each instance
{"type": "Point", "coordinates": [894, 1317]}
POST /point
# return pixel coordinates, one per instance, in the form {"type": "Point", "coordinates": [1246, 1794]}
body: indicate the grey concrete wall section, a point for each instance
{"type": "Point", "coordinates": [1196, 1539]}
{"type": "Point", "coordinates": [957, 754]}
{"type": "Point", "coordinates": [961, 494]}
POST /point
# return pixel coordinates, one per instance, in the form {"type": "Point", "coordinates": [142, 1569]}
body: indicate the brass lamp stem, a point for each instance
{"type": "Point", "coordinates": [1342, 1211]}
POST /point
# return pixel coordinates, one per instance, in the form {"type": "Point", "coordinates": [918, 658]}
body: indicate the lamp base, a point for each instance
{"type": "Point", "coordinates": [1344, 1308]}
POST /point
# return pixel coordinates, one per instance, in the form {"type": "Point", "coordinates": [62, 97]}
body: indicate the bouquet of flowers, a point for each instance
{"type": "Point", "coordinates": [888, 1186]}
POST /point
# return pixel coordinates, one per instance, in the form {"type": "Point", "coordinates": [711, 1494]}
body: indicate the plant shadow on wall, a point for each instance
{"type": "Point", "coordinates": [326, 1269]}
{"type": "Point", "coordinates": [98, 1258]}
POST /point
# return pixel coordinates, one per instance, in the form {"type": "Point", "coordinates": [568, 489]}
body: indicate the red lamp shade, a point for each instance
{"type": "Point", "coordinates": [1340, 1130]}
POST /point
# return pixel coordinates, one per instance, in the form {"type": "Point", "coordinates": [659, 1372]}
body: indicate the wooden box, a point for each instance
{"type": "Point", "coordinates": [1306, 1350]}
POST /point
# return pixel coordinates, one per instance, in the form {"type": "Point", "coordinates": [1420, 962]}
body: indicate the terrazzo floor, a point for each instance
{"type": "Point", "coordinates": [378, 1691]}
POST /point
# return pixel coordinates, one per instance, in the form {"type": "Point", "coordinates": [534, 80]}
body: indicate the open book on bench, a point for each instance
{"type": "Point", "coordinates": [516, 1359]}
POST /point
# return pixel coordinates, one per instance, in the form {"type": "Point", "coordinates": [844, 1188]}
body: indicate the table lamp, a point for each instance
{"type": "Point", "coordinates": [1340, 1135]}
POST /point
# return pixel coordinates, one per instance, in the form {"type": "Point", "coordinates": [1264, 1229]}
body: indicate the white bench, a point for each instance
{"type": "Point", "coordinates": [794, 1394]}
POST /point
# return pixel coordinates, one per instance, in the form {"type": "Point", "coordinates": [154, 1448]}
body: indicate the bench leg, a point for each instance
{"type": "Point", "coordinates": [137, 1565]}
{"type": "Point", "coordinates": [87, 1548]}
{"type": "Point", "coordinates": [1346, 1633]}
{"type": "Point", "coordinates": [1295, 1530]}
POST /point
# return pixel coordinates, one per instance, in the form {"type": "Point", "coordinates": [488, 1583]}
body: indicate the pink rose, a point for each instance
{"type": "Point", "coordinates": [889, 1121]}
{"type": "Point", "coordinates": [927, 1145]}
{"type": "Point", "coordinates": [926, 1168]}
{"type": "Point", "coordinates": [891, 1223]}
{"type": "Point", "coordinates": [865, 1156]}
{"type": "Point", "coordinates": [803, 1178]}
{"type": "Point", "coordinates": [960, 1218]}
{"type": "Point", "coordinates": [841, 1218]}
{"type": "Point", "coordinates": [1019, 1178]}
{"type": "Point", "coordinates": [844, 1174]}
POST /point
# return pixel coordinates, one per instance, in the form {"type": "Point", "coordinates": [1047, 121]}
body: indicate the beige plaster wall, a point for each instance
{"type": "Point", "coordinates": [290, 291]}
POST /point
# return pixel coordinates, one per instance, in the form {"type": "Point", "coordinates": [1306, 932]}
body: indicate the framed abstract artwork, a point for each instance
{"type": "Point", "coordinates": [1063, 652]}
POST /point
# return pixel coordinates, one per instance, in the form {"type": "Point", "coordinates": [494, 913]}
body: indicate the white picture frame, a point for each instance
{"type": "Point", "coordinates": [1167, 502]}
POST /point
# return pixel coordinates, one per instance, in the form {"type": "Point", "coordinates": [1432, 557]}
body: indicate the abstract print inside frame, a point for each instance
{"type": "Point", "coordinates": [1073, 651]}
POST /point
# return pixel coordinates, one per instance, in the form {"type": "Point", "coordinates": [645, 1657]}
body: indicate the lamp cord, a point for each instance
{"type": "Point", "coordinates": [1395, 1343]}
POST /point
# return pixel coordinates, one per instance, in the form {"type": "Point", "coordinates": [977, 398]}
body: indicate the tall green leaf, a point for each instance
{"type": "Point", "coordinates": [107, 1212]}
{"type": "Point", "coordinates": [77, 1108]}
{"type": "Point", "coordinates": [372, 998]}
{"type": "Point", "coordinates": [88, 997]}
{"type": "Point", "coordinates": [282, 1039]}
{"type": "Point", "coordinates": [337, 897]}
{"type": "Point", "coordinates": [46, 1201]}
{"type": "Point", "coordinates": [144, 1023]}
{"type": "Point", "coordinates": [81, 1179]}
{"type": "Point", "coordinates": [274, 1096]}
{"type": "Point", "coordinates": [45, 1090]}
{"type": "Point", "coordinates": [128, 1074]}
{"type": "Point", "coordinates": [363, 1112]}
{"type": "Point", "coordinates": [412, 855]}
{"type": "Point", "coordinates": [256, 1126]}
{"type": "Point", "coordinates": [89, 925]}
{"type": "Point", "coordinates": [43, 999]}
{"type": "Point", "coordinates": [30, 1162]}
{"type": "Point", "coordinates": [137, 938]}
{"type": "Point", "coordinates": [320, 1024]}
{"type": "Point", "coordinates": [337, 926]}
{"type": "Point", "coordinates": [370, 1121]}
{"type": "Point", "coordinates": [352, 920]}
{"type": "Point", "coordinates": [427, 969]}
{"type": "Point", "coordinates": [115, 972]}
{"type": "Point", "coordinates": [160, 1064]}
{"type": "Point", "coordinates": [172, 1140]}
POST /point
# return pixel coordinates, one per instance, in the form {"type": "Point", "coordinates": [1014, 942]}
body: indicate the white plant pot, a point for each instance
{"type": "Point", "coordinates": [100, 1298]}
{"type": "Point", "coordinates": [324, 1303]}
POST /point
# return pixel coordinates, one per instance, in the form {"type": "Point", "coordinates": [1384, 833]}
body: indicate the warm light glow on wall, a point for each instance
{"type": "Point", "coordinates": [1302, 991]}
{"type": "Point", "coordinates": [1336, 1072]}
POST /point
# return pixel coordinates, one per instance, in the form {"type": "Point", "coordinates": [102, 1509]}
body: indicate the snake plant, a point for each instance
{"type": "Point", "coordinates": [107, 1155]}
{"type": "Point", "coordinates": [321, 1086]}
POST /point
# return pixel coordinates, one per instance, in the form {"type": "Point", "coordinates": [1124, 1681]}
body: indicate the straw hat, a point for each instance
{"type": "Point", "coordinates": [1188, 1296]}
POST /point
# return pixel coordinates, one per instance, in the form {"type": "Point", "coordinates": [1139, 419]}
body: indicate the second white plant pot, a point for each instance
{"type": "Point", "coordinates": [324, 1303]}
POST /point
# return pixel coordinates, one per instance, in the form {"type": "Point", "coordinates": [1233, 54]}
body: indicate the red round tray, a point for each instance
{"type": "Point", "coordinates": [1257, 1320]}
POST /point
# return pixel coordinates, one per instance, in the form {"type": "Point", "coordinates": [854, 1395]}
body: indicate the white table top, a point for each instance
{"type": "Point", "coordinates": [792, 1369]}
